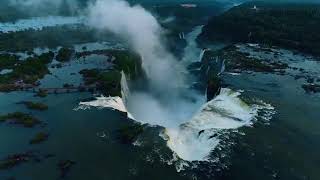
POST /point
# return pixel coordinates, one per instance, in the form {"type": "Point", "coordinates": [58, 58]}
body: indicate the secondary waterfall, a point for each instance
{"type": "Point", "coordinates": [125, 91]}
{"type": "Point", "coordinates": [202, 54]}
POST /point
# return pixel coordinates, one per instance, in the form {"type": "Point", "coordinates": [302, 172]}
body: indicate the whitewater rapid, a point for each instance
{"type": "Point", "coordinates": [194, 140]}
{"type": "Point", "coordinates": [38, 23]}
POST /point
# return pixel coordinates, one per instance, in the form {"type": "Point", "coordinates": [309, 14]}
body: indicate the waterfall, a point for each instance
{"type": "Point", "coordinates": [191, 126]}
{"type": "Point", "coordinates": [181, 35]}
{"type": "Point", "coordinates": [125, 91]}
{"type": "Point", "coordinates": [223, 67]}
{"type": "Point", "coordinates": [202, 54]}
{"type": "Point", "coordinates": [195, 139]}
{"type": "Point", "coordinates": [115, 103]}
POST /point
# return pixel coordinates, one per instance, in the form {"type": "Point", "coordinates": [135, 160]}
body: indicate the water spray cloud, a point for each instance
{"type": "Point", "coordinates": [143, 33]}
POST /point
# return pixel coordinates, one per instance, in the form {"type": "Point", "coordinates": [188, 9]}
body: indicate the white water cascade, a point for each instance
{"type": "Point", "coordinates": [202, 54]}
{"type": "Point", "coordinates": [38, 23]}
{"type": "Point", "coordinates": [192, 139]}
{"type": "Point", "coordinates": [188, 120]}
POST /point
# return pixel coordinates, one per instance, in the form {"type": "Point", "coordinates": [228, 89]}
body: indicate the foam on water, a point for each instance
{"type": "Point", "coordinates": [5, 71]}
{"type": "Point", "coordinates": [114, 103]}
{"type": "Point", "coordinates": [38, 23]}
{"type": "Point", "coordinates": [191, 126]}
{"type": "Point", "coordinates": [192, 139]}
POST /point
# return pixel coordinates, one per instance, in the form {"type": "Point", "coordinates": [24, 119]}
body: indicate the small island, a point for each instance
{"type": "Point", "coordinates": [24, 73]}
{"type": "Point", "coordinates": [65, 54]}
{"type": "Point", "coordinates": [35, 105]}
{"type": "Point", "coordinates": [39, 138]}
{"type": "Point", "coordinates": [20, 118]}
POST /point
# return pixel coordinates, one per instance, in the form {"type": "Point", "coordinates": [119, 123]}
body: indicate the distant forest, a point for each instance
{"type": "Point", "coordinates": [289, 25]}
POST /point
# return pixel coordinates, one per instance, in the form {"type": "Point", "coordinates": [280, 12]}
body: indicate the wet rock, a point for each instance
{"type": "Point", "coordinates": [195, 65]}
{"type": "Point", "coordinates": [39, 138]}
{"type": "Point", "coordinates": [213, 136]}
{"type": "Point", "coordinates": [66, 85]}
{"type": "Point", "coordinates": [296, 77]}
{"type": "Point", "coordinates": [281, 72]}
{"type": "Point", "coordinates": [35, 105]}
{"type": "Point", "coordinates": [41, 93]}
{"type": "Point", "coordinates": [129, 133]}
{"type": "Point", "coordinates": [213, 88]}
{"type": "Point", "coordinates": [200, 132]}
{"type": "Point", "coordinates": [64, 166]}
{"type": "Point", "coordinates": [310, 80]}
{"type": "Point", "coordinates": [311, 88]}
{"type": "Point", "coordinates": [14, 160]}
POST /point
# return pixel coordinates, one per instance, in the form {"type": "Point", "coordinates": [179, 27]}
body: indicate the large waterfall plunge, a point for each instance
{"type": "Point", "coordinates": [191, 136]}
{"type": "Point", "coordinates": [190, 123]}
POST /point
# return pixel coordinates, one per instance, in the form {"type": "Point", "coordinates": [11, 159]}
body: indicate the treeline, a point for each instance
{"type": "Point", "coordinates": [288, 25]}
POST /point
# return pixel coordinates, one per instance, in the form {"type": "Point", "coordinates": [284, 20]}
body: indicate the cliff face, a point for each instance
{"type": "Point", "coordinates": [288, 25]}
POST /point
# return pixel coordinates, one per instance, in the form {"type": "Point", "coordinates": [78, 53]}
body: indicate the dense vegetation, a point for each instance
{"type": "Point", "coordinates": [235, 60]}
{"type": "Point", "coordinates": [65, 54]}
{"type": "Point", "coordinates": [123, 60]}
{"type": "Point", "coordinates": [106, 81]}
{"type": "Point", "coordinates": [23, 72]}
{"type": "Point", "coordinates": [289, 25]}
{"type": "Point", "coordinates": [7, 61]}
